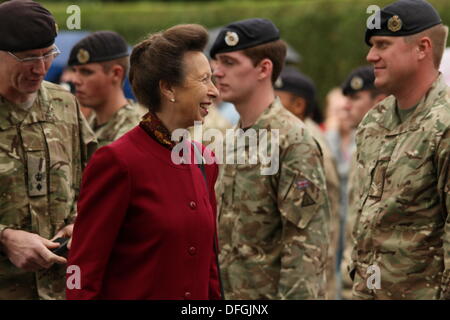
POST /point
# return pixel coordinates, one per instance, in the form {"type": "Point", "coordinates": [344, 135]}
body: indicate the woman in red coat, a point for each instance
{"type": "Point", "coordinates": [146, 226]}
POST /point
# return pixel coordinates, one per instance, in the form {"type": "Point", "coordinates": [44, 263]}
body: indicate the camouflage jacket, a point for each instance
{"type": "Point", "coordinates": [332, 180]}
{"type": "Point", "coordinates": [402, 225]}
{"type": "Point", "coordinates": [42, 153]}
{"type": "Point", "coordinates": [273, 228]}
{"type": "Point", "coordinates": [125, 119]}
{"type": "Point", "coordinates": [352, 213]}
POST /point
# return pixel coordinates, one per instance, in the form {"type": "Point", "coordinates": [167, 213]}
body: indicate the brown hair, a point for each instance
{"type": "Point", "coordinates": [124, 62]}
{"type": "Point", "coordinates": [438, 36]}
{"type": "Point", "coordinates": [160, 57]}
{"type": "Point", "coordinates": [275, 51]}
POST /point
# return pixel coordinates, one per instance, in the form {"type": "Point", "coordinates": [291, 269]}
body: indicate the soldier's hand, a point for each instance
{"type": "Point", "coordinates": [65, 232]}
{"type": "Point", "coordinates": [29, 251]}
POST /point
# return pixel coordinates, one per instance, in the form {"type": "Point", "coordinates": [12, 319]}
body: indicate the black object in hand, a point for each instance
{"type": "Point", "coordinates": [62, 249]}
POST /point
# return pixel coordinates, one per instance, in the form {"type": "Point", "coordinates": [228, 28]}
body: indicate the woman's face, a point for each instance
{"type": "Point", "coordinates": [197, 93]}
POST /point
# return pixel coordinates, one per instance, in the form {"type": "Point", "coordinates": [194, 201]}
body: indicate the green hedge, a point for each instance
{"type": "Point", "coordinates": [329, 34]}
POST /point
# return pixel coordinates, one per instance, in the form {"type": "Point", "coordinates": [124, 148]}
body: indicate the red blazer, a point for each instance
{"type": "Point", "coordinates": [145, 226]}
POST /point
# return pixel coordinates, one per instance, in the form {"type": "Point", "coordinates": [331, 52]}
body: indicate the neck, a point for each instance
{"type": "Point", "coordinates": [107, 110]}
{"type": "Point", "coordinates": [410, 94]}
{"type": "Point", "coordinates": [254, 105]}
{"type": "Point", "coordinates": [169, 117]}
{"type": "Point", "coordinates": [17, 98]}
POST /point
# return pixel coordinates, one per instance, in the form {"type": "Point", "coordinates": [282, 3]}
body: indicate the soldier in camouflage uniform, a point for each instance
{"type": "Point", "coordinates": [402, 231]}
{"type": "Point", "coordinates": [362, 95]}
{"type": "Point", "coordinates": [43, 140]}
{"type": "Point", "coordinates": [101, 62]}
{"type": "Point", "coordinates": [298, 94]}
{"type": "Point", "coordinates": [273, 225]}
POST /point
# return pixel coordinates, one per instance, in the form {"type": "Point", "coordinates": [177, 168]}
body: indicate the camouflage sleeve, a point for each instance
{"type": "Point", "coordinates": [88, 141]}
{"type": "Point", "coordinates": [84, 146]}
{"type": "Point", "coordinates": [444, 190]}
{"type": "Point", "coordinates": [355, 213]}
{"type": "Point", "coordinates": [304, 207]}
{"type": "Point", "coordinates": [352, 212]}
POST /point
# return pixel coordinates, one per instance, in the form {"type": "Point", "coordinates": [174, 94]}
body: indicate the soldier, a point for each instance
{"type": "Point", "coordinates": [43, 140]}
{"type": "Point", "coordinates": [101, 63]}
{"type": "Point", "coordinates": [362, 95]}
{"type": "Point", "coordinates": [297, 93]}
{"type": "Point", "coordinates": [273, 224]}
{"type": "Point", "coordinates": [402, 229]}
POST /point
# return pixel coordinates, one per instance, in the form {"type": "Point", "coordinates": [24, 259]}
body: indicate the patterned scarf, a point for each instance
{"type": "Point", "coordinates": [155, 128]}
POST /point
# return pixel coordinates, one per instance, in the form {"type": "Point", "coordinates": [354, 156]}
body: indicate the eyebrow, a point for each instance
{"type": "Point", "coordinates": [36, 55]}
{"type": "Point", "coordinates": [225, 56]}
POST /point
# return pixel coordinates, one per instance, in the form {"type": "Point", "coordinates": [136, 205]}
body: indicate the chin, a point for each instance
{"type": "Point", "coordinates": [200, 119]}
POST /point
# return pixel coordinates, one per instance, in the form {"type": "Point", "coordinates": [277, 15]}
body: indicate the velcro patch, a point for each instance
{"type": "Point", "coordinates": [302, 184]}
{"type": "Point", "coordinates": [307, 200]}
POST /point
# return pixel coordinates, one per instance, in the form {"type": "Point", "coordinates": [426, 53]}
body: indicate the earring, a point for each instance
{"type": "Point", "coordinates": [172, 100]}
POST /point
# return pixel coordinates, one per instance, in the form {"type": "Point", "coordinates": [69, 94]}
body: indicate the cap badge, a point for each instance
{"type": "Point", "coordinates": [356, 83]}
{"type": "Point", "coordinates": [56, 28]}
{"type": "Point", "coordinates": [231, 38]}
{"type": "Point", "coordinates": [278, 83]}
{"type": "Point", "coordinates": [395, 23]}
{"type": "Point", "coordinates": [83, 56]}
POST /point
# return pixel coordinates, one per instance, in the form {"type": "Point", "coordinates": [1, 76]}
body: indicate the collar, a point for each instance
{"type": "Point", "coordinates": [153, 126]}
{"type": "Point", "coordinates": [266, 117]}
{"type": "Point", "coordinates": [389, 119]}
{"type": "Point", "coordinates": [40, 111]}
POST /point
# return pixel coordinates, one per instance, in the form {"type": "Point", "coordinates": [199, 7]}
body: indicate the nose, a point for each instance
{"type": "Point", "coordinates": [217, 71]}
{"type": "Point", "coordinates": [372, 56]}
{"type": "Point", "coordinates": [75, 79]}
{"type": "Point", "coordinates": [348, 104]}
{"type": "Point", "coordinates": [39, 67]}
{"type": "Point", "coordinates": [213, 92]}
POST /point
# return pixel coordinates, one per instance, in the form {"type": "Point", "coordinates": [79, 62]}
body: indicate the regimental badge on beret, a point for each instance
{"type": "Point", "coordinates": [395, 23]}
{"type": "Point", "coordinates": [356, 83]}
{"type": "Point", "coordinates": [83, 56]}
{"type": "Point", "coordinates": [231, 38]}
{"type": "Point", "coordinates": [278, 83]}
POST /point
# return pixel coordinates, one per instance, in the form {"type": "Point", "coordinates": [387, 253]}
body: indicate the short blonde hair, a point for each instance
{"type": "Point", "coordinates": [438, 36]}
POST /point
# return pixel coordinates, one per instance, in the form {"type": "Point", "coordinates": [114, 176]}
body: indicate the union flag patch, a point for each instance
{"type": "Point", "coordinates": [302, 184]}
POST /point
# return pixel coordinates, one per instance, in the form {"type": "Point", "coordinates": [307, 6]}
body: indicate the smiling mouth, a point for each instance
{"type": "Point", "coordinates": [204, 106]}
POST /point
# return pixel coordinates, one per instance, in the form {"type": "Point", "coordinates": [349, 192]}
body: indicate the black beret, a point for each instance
{"type": "Point", "coordinates": [98, 47]}
{"type": "Point", "coordinates": [244, 34]}
{"type": "Point", "coordinates": [404, 18]}
{"type": "Point", "coordinates": [295, 82]}
{"type": "Point", "coordinates": [26, 25]}
{"type": "Point", "coordinates": [359, 79]}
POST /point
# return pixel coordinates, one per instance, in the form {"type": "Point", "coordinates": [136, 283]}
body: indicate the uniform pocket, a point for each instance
{"type": "Point", "coordinates": [301, 199]}
{"type": "Point", "coordinates": [378, 174]}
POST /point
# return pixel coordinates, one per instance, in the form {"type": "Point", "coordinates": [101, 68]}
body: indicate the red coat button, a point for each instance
{"type": "Point", "coordinates": [192, 251]}
{"type": "Point", "coordinates": [187, 295]}
{"type": "Point", "coordinates": [193, 205]}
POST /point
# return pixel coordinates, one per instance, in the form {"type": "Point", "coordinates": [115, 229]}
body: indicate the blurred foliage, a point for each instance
{"type": "Point", "coordinates": [329, 34]}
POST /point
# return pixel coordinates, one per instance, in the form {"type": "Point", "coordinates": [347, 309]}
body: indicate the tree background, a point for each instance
{"type": "Point", "coordinates": [329, 34]}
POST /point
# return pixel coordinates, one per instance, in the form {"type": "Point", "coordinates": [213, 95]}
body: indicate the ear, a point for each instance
{"type": "Point", "coordinates": [117, 73]}
{"type": "Point", "coordinates": [167, 90]}
{"type": "Point", "coordinates": [424, 48]}
{"type": "Point", "coordinates": [265, 69]}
